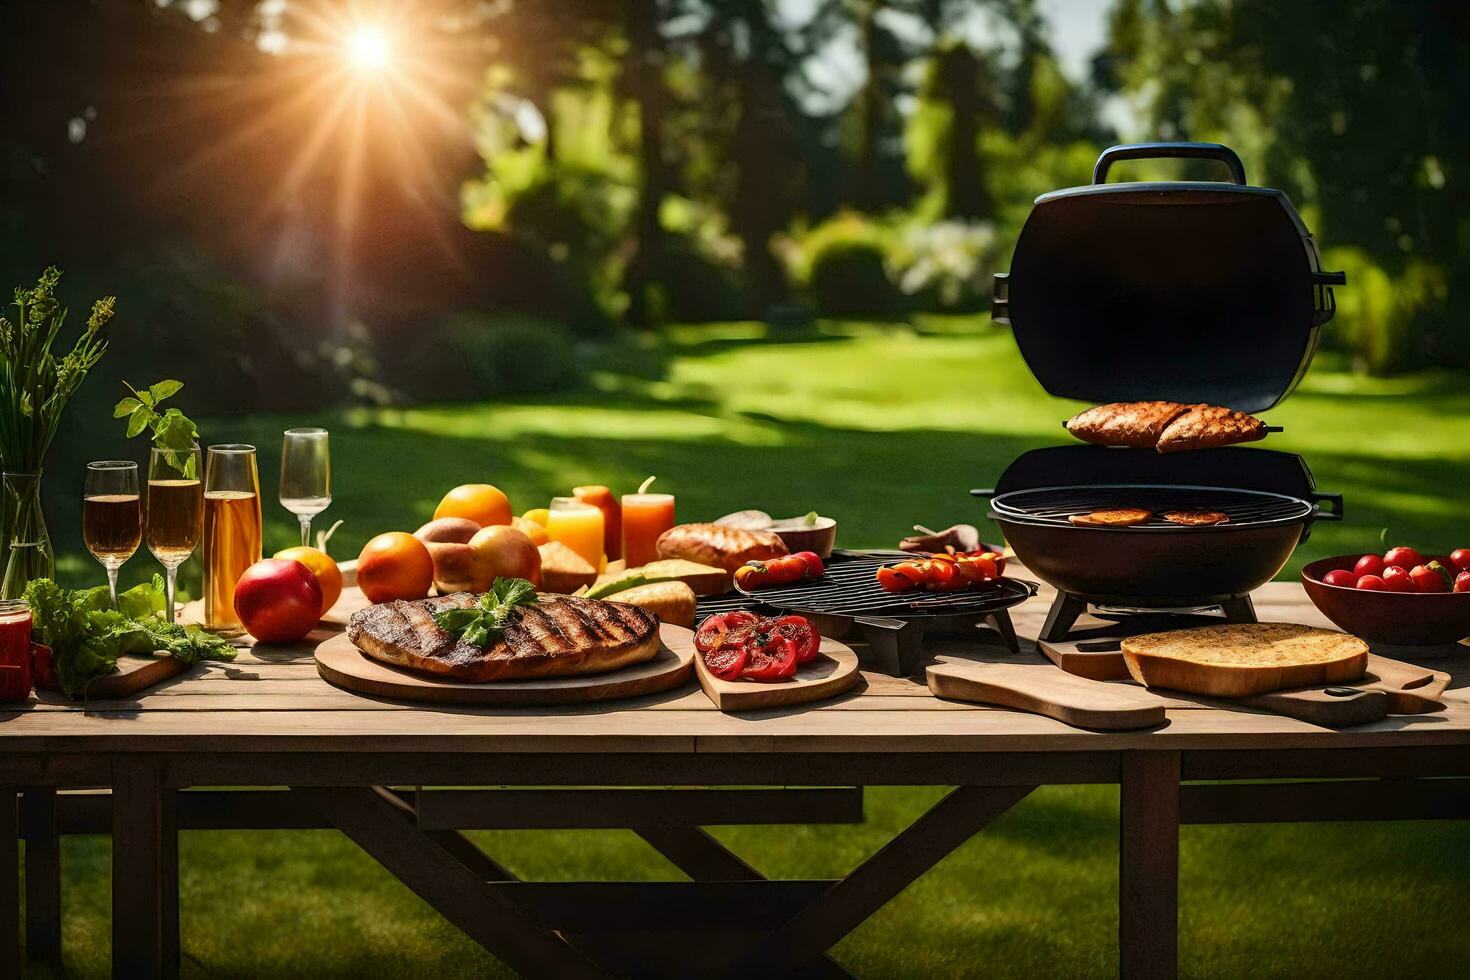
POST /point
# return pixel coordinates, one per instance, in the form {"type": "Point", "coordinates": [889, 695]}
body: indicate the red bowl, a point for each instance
{"type": "Point", "coordinates": [1399, 618]}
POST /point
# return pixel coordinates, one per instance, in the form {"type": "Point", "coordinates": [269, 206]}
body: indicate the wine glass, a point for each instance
{"type": "Point", "coordinates": [232, 538]}
{"type": "Point", "coordinates": [174, 511]}
{"type": "Point", "coordinates": [306, 476]}
{"type": "Point", "coordinates": [112, 518]}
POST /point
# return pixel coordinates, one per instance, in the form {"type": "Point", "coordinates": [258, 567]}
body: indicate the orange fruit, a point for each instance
{"type": "Point", "coordinates": [536, 532]}
{"type": "Point", "coordinates": [478, 502]}
{"type": "Point", "coordinates": [326, 570]}
{"type": "Point", "coordinates": [395, 565]}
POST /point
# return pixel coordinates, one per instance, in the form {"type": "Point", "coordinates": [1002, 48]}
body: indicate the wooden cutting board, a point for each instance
{"type": "Point", "coordinates": [1410, 689]}
{"type": "Point", "coordinates": [834, 671]}
{"type": "Point", "coordinates": [135, 673]}
{"type": "Point", "coordinates": [343, 664]}
{"type": "Point", "coordinates": [1044, 690]}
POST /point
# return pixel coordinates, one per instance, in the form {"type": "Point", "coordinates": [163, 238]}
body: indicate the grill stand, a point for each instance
{"type": "Point", "coordinates": [896, 646]}
{"type": "Point", "coordinates": [1067, 607]}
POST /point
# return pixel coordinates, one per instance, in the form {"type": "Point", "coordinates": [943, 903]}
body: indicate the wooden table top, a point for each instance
{"type": "Point", "coordinates": [273, 700]}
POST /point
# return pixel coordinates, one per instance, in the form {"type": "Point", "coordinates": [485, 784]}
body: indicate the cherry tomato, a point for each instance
{"type": "Point", "coordinates": [1398, 580]}
{"type": "Point", "coordinates": [800, 631]}
{"type": "Point", "coordinates": [1460, 558]}
{"type": "Point", "coordinates": [1368, 565]}
{"type": "Point", "coordinates": [1402, 557]}
{"type": "Point", "coordinates": [772, 662]}
{"type": "Point", "coordinates": [1462, 582]}
{"type": "Point", "coordinates": [723, 629]}
{"type": "Point", "coordinates": [1341, 577]}
{"type": "Point", "coordinates": [814, 566]}
{"type": "Point", "coordinates": [1370, 583]}
{"type": "Point", "coordinates": [1427, 579]}
{"type": "Point", "coordinates": [728, 661]}
{"type": "Point", "coordinates": [890, 581]}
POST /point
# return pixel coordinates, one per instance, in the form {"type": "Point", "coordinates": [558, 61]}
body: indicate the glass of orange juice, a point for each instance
{"type": "Point", "coordinates": [645, 517]}
{"type": "Point", "coordinates": [577, 525]}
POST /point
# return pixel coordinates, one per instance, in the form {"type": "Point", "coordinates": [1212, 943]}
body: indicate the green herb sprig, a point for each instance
{"type": "Point", "coordinates": [483, 622]}
{"type": "Point", "coordinates": [35, 384]}
{"type": "Point", "coordinates": [172, 429]}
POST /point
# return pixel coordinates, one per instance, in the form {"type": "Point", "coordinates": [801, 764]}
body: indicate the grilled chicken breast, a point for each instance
{"type": "Point", "coordinates": [1208, 426]}
{"type": "Point", "coordinates": [1137, 424]}
{"type": "Point", "coordinates": [720, 545]}
{"type": "Point", "coordinates": [562, 635]}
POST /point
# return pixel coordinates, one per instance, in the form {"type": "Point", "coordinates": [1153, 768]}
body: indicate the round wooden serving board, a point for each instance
{"type": "Point", "coordinates": [343, 664]}
{"type": "Point", "coordinates": [833, 672]}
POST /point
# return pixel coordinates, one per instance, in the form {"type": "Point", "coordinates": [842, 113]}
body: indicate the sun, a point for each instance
{"type": "Point", "coordinates": [367, 48]}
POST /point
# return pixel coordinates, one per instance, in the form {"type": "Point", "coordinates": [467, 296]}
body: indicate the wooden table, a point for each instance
{"type": "Point", "coordinates": [269, 720]}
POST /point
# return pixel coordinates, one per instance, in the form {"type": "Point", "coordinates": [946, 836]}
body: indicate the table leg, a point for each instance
{"type": "Point", "coordinates": [1148, 867]}
{"type": "Point", "coordinates": [137, 867]}
{"type": "Point", "coordinates": [9, 883]}
{"type": "Point", "coordinates": [43, 874]}
{"type": "Point", "coordinates": [168, 864]}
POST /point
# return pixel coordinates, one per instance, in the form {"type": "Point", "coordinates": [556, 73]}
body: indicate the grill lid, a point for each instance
{"type": "Point", "coordinates": [1180, 290]}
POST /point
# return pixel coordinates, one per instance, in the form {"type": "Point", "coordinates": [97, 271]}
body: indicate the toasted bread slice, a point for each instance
{"type": "Point", "coordinates": [563, 570]}
{"type": "Point", "coordinates": [1196, 518]}
{"type": "Point", "coordinates": [671, 602]}
{"type": "Point", "coordinates": [1122, 517]}
{"type": "Point", "coordinates": [1239, 660]}
{"type": "Point", "coordinates": [1136, 424]}
{"type": "Point", "coordinates": [1209, 426]}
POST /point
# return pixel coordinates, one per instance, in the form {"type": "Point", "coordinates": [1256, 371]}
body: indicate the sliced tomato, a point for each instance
{"type": "Point", "coordinates": [889, 580]}
{"type": "Point", "coordinates": [724, 628]}
{"type": "Point", "coordinates": [773, 661]}
{"type": "Point", "coordinates": [942, 576]}
{"type": "Point", "coordinates": [800, 631]}
{"type": "Point", "coordinates": [727, 662]}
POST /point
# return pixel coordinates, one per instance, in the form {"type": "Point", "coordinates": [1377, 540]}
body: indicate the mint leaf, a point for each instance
{"type": "Point", "coordinates": [164, 389]}
{"type": "Point", "coordinates": [138, 421]}
{"type": "Point", "coordinates": [487, 618]}
{"type": "Point", "coordinates": [126, 407]}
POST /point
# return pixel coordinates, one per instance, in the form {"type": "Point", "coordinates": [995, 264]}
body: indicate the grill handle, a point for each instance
{"type": "Point", "coordinates": [1000, 299]}
{"type": "Point", "coordinates": [1329, 505]}
{"type": "Point", "coordinates": [1155, 151]}
{"type": "Point", "coordinates": [987, 492]}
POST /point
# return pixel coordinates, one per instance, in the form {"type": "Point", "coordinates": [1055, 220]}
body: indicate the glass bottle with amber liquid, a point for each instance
{"type": "Point", "coordinates": [174, 512]}
{"type": "Point", "coordinates": [232, 530]}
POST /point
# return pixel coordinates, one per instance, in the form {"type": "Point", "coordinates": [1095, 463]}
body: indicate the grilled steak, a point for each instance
{"type": "Point", "coordinates": [1196, 518]}
{"type": "Point", "coordinates": [1137, 424]}
{"type": "Point", "coordinates": [560, 636]}
{"type": "Point", "coordinates": [1207, 426]}
{"type": "Point", "coordinates": [1122, 517]}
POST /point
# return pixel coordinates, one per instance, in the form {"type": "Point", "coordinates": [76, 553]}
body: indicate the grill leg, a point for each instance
{"type": "Point", "coordinates": [1065, 609]}
{"type": "Point", "coordinates": [1240, 610]}
{"type": "Point", "coordinates": [1007, 630]}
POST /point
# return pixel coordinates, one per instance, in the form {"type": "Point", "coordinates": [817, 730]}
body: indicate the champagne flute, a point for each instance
{"type": "Point", "coordinates": [112, 520]}
{"type": "Point", "coordinates": [232, 537]}
{"type": "Point", "coordinates": [174, 511]}
{"type": "Point", "coordinates": [306, 475]}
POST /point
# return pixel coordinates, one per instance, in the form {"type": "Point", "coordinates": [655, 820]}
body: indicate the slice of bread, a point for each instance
{"type": "Point", "coordinates": [703, 579]}
{"type": "Point", "coordinates": [563, 570]}
{"type": "Point", "coordinates": [671, 602]}
{"type": "Point", "coordinates": [1239, 660]}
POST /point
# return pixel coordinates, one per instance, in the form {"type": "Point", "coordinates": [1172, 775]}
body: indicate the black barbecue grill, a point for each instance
{"type": "Point", "coordinates": [1186, 291]}
{"type": "Point", "coordinates": [847, 597]}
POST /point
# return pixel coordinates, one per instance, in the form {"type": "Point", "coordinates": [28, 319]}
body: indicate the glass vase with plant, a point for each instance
{"type": "Point", "coordinates": [35, 385]}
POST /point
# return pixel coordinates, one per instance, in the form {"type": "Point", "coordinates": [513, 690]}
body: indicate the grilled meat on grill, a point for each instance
{"type": "Point", "coordinates": [1196, 518]}
{"type": "Point", "coordinates": [1137, 424]}
{"type": "Point", "coordinates": [561, 635]}
{"type": "Point", "coordinates": [1208, 426]}
{"type": "Point", "coordinates": [1121, 517]}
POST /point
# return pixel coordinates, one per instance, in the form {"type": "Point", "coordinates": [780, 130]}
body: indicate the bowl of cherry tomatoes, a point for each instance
{"type": "Point", "coordinates": [1400, 597]}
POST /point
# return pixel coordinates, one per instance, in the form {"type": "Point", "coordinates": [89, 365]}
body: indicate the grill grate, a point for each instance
{"type": "Point", "coordinates": [1245, 508]}
{"type": "Point", "coordinates": [850, 587]}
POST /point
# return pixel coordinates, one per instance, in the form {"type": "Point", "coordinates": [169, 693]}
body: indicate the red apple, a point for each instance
{"type": "Point", "coordinates": [1371, 583]}
{"type": "Point", "coordinates": [1341, 577]}
{"type": "Point", "coordinates": [279, 600]}
{"type": "Point", "coordinates": [1460, 558]}
{"type": "Point", "coordinates": [1462, 581]}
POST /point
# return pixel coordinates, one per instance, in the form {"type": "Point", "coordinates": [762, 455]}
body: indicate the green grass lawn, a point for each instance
{"type": "Point", "coordinates": [881, 427]}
